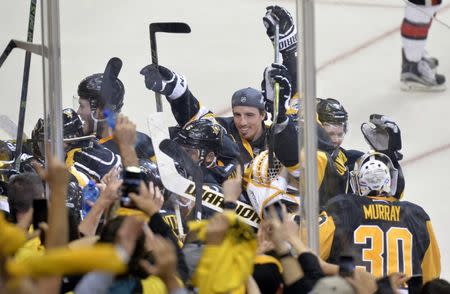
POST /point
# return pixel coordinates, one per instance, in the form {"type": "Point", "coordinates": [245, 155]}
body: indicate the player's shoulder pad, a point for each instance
{"type": "Point", "coordinates": [352, 153]}
{"type": "Point", "coordinates": [144, 145]}
{"type": "Point", "coordinates": [342, 202]}
{"type": "Point", "coordinates": [226, 122]}
{"type": "Point", "coordinates": [414, 210]}
{"type": "Point", "coordinates": [142, 137]}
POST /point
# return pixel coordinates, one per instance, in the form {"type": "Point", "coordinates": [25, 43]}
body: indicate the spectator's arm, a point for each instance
{"type": "Point", "coordinates": [125, 136]}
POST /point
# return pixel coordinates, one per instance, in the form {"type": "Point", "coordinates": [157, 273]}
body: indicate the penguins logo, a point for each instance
{"type": "Point", "coordinates": [68, 113]}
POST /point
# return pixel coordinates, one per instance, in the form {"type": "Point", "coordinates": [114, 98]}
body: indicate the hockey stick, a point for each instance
{"type": "Point", "coordinates": [164, 27]}
{"type": "Point", "coordinates": [8, 126]}
{"type": "Point", "coordinates": [29, 47]}
{"type": "Point", "coordinates": [110, 75]}
{"type": "Point", "coordinates": [276, 100]}
{"type": "Point", "coordinates": [176, 152]}
{"type": "Point", "coordinates": [25, 79]}
{"type": "Point", "coordinates": [184, 187]}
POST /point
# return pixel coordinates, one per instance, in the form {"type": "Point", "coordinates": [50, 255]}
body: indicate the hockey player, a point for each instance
{"type": "Point", "coordinates": [247, 124]}
{"type": "Point", "coordinates": [91, 111]}
{"type": "Point", "coordinates": [418, 70]}
{"type": "Point", "coordinates": [84, 155]}
{"type": "Point", "coordinates": [331, 180]}
{"type": "Point", "coordinates": [383, 234]}
{"type": "Point", "coordinates": [202, 140]}
{"type": "Point", "coordinates": [334, 119]}
{"type": "Point", "coordinates": [246, 127]}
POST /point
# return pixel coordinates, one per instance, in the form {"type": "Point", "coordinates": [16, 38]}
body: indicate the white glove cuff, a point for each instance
{"type": "Point", "coordinates": [289, 40]}
{"type": "Point", "coordinates": [180, 87]}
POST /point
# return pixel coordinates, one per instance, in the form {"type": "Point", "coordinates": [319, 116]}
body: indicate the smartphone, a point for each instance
{"type": "Point", "coordinates": [131, 182]}
{"type": "Point", "coordinates": [40, 214]}
{"type": "Point", "coordinates": [278, 210]}
{"type": "Point", "coordinates": [346, 265]}
{"type": "Point", "coordinates": [415, 284]}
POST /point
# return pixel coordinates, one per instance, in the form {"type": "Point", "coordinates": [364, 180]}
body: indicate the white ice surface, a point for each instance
{"type": "Point", "coordinates": [228, 50]}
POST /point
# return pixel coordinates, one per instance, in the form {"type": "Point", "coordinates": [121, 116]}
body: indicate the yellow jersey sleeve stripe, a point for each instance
{"type": "Point", "coordinates": [326, 235]}
{"type": "Point", "coordinates": [431, 263]}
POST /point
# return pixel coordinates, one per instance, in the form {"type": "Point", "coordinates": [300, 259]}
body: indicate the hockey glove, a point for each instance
{"type": "Point", "coordinates": [384, 135]}
{"type": "Point", "coordinates": [164, 81]}
{"type": "Point", "coordinates": [277, 73]}
{"type": "Point", "coordinates": [287, 29]}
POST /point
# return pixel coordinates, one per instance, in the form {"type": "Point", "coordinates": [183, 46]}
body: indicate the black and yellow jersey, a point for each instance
{"type": "Point", "coordinates": [143, 146]}
{"type": "Point", "coordinates": [93, 160]}
{"type": "Point", "coordinates": [248, 150]}
{"type": "Point", "coordinates": [383, 234]}
{"type": "Point", "coordinates": [187, 108]}
{"type": "Point", "coordinates": [331, 169]}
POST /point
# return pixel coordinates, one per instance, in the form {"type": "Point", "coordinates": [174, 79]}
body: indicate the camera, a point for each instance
{"type": "Point", "coordinates": [346, 265]}
{"type": "Point", "coordinates": [131, 182]}
{"type": "Point", "coordinates": [40, 214]}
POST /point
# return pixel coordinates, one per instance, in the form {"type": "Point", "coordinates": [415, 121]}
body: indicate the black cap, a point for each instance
{"type": "Point", "coordinates": [248, 97]}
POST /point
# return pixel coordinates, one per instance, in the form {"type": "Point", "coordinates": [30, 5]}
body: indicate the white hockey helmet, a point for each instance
{"type": "Point", "coordinates": [374, 174]}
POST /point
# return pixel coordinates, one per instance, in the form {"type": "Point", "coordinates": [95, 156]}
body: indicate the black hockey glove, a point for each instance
{"type": "Point", "coordinates": [288, 31]}
{"type": "Point", "coordinates": [384, 135]}
{"type": "Point", "coordinates": [277, 73]}
{"type": "Point", "coordinates": [164, 81]}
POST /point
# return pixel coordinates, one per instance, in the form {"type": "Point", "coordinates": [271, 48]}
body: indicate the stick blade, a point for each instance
{"type": "Point", "coordinates": [11, 45]}
{"type": "Point", "coordinates": [110, 75]}
{"type": "Point", "coordinates": [170, 27]}
{"type": "Point", "coordinates": [174, 151]}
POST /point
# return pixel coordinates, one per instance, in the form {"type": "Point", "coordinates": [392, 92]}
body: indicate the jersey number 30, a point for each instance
{"type": "Point", "coordinates": [388, 248]}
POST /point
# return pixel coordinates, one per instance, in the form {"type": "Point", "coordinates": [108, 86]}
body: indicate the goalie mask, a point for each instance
{"type": "Point", "coordinates": [267, 185]}
{"type": "Point", "coordinates": [374, 175]}
{"type": "Point", "coordinates": [202, 137]}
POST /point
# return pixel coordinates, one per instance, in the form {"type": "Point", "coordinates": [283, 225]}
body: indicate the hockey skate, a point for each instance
{"type": "Point", "coordinates": [419, 76]}
{"type": "Point", "coordinates": [433, 62]}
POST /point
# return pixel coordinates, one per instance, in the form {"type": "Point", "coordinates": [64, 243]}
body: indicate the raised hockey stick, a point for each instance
{"type": "Point", "coordinates": [110, 75]}
{"type": "Point", "coordinates": [164, 27]}
{"type": "Point", "coordinates": [176, 152]}
{"type": "Point", "coordinates": [276, 99]}
{"type": "Point", "coordinates": [183, 187]}
{"type": "Point", "coordinates": [25, 79]}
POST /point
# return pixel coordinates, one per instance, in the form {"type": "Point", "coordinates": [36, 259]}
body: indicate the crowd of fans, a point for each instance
{"type": "Point", "coordinates": [137, 236]}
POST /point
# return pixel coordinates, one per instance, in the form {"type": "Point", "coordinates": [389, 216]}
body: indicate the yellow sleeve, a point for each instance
{"type": "Point", "coordinates": [154, 285]}
{"type": "Point", "coordinates": [326, 235]}
{"type": "Point", "coordinates": [63, 261]}
{"type": "Point", "coordinates": [322, 161]}
{"type": "Point", "coordinates": [225, 267]}
{"type": "Point", "coordinates": [340, 163]}
{"type": "Point", "coordinates": [431, 263]}
{"type": "Point", "coordinates": [32, 247]}
{"type": "Point", "coordinates": [12, 238]}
